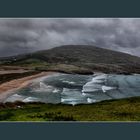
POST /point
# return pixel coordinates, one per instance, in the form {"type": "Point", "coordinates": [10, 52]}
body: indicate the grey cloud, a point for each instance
{"type": "Point", "coordinates": [28, 35]}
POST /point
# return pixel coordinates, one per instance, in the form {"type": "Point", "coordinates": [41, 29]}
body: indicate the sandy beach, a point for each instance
{"type": "Point", "coordinates": [8, 87]}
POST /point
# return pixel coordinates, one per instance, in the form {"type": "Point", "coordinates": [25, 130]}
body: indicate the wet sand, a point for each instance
{"type": "Point", "coordinates": [7, 88]}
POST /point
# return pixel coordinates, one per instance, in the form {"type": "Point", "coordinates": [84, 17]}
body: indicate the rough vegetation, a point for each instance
{"type": "Point", "coordinates": [85, 59]}
{"type": "Point", "coordinates": [11, 76]}
{"type": "Point", "coordinates": [115, 110]}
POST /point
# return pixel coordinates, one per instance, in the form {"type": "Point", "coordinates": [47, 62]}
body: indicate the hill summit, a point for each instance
{"type": "Point", "coordinates": [79, 58]}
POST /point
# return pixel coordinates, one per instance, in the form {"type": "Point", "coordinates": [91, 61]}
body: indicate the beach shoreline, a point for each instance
{"type": "Point", "coordinates": [7, 88]}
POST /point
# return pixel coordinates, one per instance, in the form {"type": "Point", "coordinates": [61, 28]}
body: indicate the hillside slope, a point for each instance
{"type": "Point", "coordinates": [78, 58]}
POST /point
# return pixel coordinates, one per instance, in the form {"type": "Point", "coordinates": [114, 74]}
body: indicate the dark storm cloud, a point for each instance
{"type": "Point", "coordinates": [27, 35]}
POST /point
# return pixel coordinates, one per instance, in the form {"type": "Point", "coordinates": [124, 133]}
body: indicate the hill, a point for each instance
{"type": "Point", "coordinates": [78, 59]}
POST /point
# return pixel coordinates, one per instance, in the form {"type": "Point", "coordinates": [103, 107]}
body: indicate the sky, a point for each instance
{"type": "Point", "coordinates": [26, 35]}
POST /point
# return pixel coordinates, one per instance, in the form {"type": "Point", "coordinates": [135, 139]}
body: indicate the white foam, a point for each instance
{"type": "Point", "coordinates": [17, 96]}
{"type": "Point", "coordinates": [105, 88]}
{"type": "Point", "coordinates": [14, 98]}
{"type": "Point", "coordinates": [99, 78]}
{"type": "Point", "coordinates": [84, 94]}
{"type": "Point", "coordinates": [71, 92]}
{"type": "Point", "coordinates": [42, 88]}
{"type": "Point", "coordinates": [95, 83]}
{"type": "Point", "coordinates": [65, 91]}
{"type": "Point", "coordinates": [89, 100]}
{"type": "Point", "coordinates": [30, 99]}
{"type": "Point", "coordinates": [90, 89]}
{"type": "Point", "coordinates": [69, 82]}
{"type": "Point", "coordinates": [55, 90]}
{"type": "Point", "coordinates": [135, 74]}
{"type": "Point", "coordinates": [68, 100]}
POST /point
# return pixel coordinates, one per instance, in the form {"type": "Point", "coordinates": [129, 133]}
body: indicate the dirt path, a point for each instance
{"type": "Point", "coordinates": [8, 87]}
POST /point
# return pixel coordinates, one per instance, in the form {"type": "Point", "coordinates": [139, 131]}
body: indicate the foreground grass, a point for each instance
{"type": "Point", "coordinates": [117, 110]}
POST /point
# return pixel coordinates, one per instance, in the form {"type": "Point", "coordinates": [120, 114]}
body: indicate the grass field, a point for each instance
{"type": "Point", "coordinates": [115, 110]}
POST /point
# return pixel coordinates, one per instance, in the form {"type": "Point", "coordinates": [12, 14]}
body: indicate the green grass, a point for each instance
{"type": "Point", "coordinates": [31, 62]}
{"type": "Point", "coordinates": [115, 110]}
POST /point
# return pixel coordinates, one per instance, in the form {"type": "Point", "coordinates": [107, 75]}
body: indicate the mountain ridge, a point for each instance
{"type": "Point", "coordinates": [89, 58]}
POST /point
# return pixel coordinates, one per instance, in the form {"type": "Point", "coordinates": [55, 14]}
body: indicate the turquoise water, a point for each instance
{"type": "Point", "coordinates": [78, 89]}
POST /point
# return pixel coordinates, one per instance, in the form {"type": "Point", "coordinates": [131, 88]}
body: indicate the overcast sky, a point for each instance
{"type": "Point", "coordinates": [26, 35]}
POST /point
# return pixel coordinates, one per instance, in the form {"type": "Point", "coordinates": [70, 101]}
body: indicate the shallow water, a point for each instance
{"type": "Point", "coordinates": [77, 89]}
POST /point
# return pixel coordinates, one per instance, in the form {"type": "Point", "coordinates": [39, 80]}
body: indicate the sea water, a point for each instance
{"type": "Point", "coordinates": [78, 89]}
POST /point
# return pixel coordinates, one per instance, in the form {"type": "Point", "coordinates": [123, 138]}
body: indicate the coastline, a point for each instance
{"type": "Point", "coordinates": [9, 87]}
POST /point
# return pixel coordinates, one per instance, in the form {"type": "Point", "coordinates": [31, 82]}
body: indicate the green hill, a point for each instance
{"type": "Point", "coordinates": [78, 59]}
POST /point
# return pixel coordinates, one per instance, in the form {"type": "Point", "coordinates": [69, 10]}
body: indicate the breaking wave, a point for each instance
{"type": "Point", "coordinates": [90, 100]}
{"type": "Point", "coordinates": [77, 89]}
{"type": "Point", "coordinates": [42, 87]}
{"type": "Point", "coordinates": [30, 99]}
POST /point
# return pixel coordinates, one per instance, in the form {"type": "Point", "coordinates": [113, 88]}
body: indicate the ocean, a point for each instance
{"type": "Point", "coordinates": [78, 89]}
